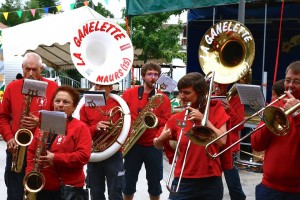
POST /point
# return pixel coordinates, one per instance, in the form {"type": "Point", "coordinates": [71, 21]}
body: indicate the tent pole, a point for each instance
{"type": "Point", "coordinates": [263, 74]}
{"type": "Point", "coordinates": [241, 14]}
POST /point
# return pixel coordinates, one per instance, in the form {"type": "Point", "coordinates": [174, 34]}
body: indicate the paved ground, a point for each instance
{"type": "Point", "coordinates": [248, 179]}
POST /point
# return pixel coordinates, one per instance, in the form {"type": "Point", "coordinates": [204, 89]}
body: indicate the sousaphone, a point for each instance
{"type": "Point", "coordinates": [102, 52]}
{"type": "Point", "coordinates": [228, 49]}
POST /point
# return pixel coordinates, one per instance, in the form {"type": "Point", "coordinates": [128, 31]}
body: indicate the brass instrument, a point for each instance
{"type": "Point", "coordinates": [201, 135]}
{"type": "Point", "coordinates": [273, 117]}
{"type": "Point", "coordinates": [227, 48]}
{"type": "Point", "coordinates": [145, 119]}
{"type": "Point", "coordinates": [107, 137]}
{"type": "Point", "coordinates": [183, 125]}
{"type": "Point", "coordinates": [35, 181]}
{"type": "Point", "coordinates": [23, 138]}
{"type": "Point", "coordinates": [229, 54]}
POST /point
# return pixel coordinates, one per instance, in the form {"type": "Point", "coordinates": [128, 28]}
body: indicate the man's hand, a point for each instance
{"type": "Point", "coordinates": [290, 101]}
{"type": "Point", "coordinates": [30, 122]}
{"type": "Point", "coordinates": [11, 145]}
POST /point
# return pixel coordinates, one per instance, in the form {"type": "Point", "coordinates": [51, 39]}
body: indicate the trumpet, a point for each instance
{"type": "Point", "coordinates": [273, 117]}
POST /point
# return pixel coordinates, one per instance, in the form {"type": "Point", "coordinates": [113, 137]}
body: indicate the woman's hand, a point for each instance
{"type": "Point", "coordinates": [46, 160]}
{"type": "Point", "coordinates": [164, 136]}
{"type": "Point", "coordinates": [194, 114]}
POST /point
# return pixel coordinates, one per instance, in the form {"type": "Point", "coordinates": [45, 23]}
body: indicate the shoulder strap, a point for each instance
{"type": "Point", "coordinates": [141, 91]}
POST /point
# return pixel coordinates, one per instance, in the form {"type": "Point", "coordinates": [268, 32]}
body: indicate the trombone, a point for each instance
{"type": "Point", "coordinates": [197, 134]}
{"type": "Point", "coordinates": [273, 117]}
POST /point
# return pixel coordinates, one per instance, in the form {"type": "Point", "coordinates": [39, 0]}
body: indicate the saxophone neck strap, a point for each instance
{"type": "Point", "coordinates": [141, 91]}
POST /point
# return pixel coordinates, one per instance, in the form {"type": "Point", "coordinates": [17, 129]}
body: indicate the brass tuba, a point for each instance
{"type": "Point", "coordinates": [228, 49]}
{"type": "Point", "coordinates": [145, 119]}
{"type": "Point", "coordinates": [112, 140]}
{"type": "Point", "coordinates": [104, 56]}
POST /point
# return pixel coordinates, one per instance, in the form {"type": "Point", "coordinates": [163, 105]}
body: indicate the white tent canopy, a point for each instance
{"type": "Point", "coordinates": [49, 37]}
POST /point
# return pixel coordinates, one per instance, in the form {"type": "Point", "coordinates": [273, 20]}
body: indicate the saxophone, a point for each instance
{"type": "Point", "coordinates": [145, 119]}
{"type": "Point", "coordinates": [34, 181]}
{"type": "Point", "coordinates": [23, 138]}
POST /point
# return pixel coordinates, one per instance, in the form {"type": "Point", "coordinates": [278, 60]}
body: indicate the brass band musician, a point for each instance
{"type": "Point", "coordinates": [11, 119]}
{"type": "Point", "coordinates": [65, 156]}
{"type": "Point", "coordinates": [202, 176]}
{"type": "Point", "coordinates": [143, 150]}
{"type": "Point", "coordinates": [281, 175]}
{"type": "Point", "coordinates": [109, 171]}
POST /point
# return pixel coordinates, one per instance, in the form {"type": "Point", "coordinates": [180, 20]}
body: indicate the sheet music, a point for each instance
{"type": "Point", "coordinates": [34, 87]}
{"type": "Point", "coordinates": [251, 95]}
{"type": "Point", "coordinates": [96, 99]}
{"type": "Point", "coordinates": [166, 83]}
{"type": "Point", "coordinates": [221, 98]}
{"type": "Point", "coordinates": [54, 121]}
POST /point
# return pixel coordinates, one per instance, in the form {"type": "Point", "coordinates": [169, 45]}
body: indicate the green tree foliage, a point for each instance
{"type": "Point", "coordinates": [98, 8]}
{"type": "Point", "coordinates": [12, 6]}
{"type": "Point", "coordinates": [155, 38]}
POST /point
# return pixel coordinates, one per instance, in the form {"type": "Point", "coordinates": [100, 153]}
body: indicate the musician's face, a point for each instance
{"type": "Point", "coordinates": [106, 88]}
{"type": "Point", "coordinates": [151, 77]}
{"type": "Point", "coordinates": [188, 95]}
{"type": "Point", "coordinates": [31, 70]}
{"type": "Point", "coordinates": [63, 102]}
{"type": "Point", "coordinates": [220, 89]}
{"type": "Point", "coordinates": [292, 82]}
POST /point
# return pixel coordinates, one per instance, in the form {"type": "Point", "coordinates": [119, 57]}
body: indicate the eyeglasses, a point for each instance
{"type": "Point", "coordinates": [295, 81]}
{"type": "Point", "coordinates": [64, 102]}
{"type": "Point", "coordinates": [152, 74]}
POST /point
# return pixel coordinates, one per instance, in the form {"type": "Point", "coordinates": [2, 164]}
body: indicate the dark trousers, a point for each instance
{"type": "Point", "coordinates": [110, 171]}
{"type": "Point", "coordinates": [234, 184]}
{"type": "Point", "coordinates": [152, 158]}
{"type": "Point", "coordinates": [48, 195]}
{"type": "Point", "coordinates": [13, 180]}
{"type": "Point", "coordinates": [263, 192]}
{"type": "Point", "coordinates": [210, 188]}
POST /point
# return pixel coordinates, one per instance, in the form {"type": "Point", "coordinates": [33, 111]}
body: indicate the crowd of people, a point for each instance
{"type": "Point", "coordinates": [59, 158]}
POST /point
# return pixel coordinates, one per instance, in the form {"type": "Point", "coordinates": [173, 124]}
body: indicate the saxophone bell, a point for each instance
{"type": "Point", "coordinates": [23, 138]}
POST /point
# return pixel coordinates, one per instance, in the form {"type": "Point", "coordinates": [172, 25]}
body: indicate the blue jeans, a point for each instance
{"type": "Point", "coordinates": [234, 184]}
{"type": "Point", "coordinates": [13, 180]}
{"type": "Point", "coordinates": [110, 170]}
{"type": "Point", "coordinates": [263, 192]}
{"type": "Point", "coordinates": [152, 158]}
{"type": "Point", "coordinates": [210, 188]}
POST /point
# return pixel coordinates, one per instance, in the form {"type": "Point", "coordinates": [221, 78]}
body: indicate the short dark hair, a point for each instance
{"type": "Point", "coordinates": [294, 67]}
{"type": "Point", "coordinates": [19, 76]}
{"type": "Point", "coordinates": [71, 91]}
{"type": "Point", "coordinates": [278, 87]}
{"type": "Point", "coordinates": [150, 66]}
{"type": "Point", "coordinates": [197, 82]}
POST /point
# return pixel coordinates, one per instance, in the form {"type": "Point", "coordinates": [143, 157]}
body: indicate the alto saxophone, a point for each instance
{"type": "Point", "coordinates": [23, 138]}
{"type": "Point", "coordinates": [145, 119]}
{"type": "Point", "coordinates": [35, 181]}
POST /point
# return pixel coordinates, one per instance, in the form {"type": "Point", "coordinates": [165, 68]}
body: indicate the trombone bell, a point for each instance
{"type": "Point", "coordinates": [201, 135]}
{"type": "Point", "coordinates": [276, 120]}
